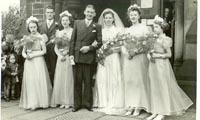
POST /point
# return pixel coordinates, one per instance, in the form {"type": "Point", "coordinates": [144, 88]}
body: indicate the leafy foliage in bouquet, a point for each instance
{"type": "Point", "coordinates": [106, 49]}
{"type": "Point", "coordinates": [26, 41]}
{"type": "Point", "coordinates": [62, 41]}
{"type": "Point", "coordinates": [145, 43]}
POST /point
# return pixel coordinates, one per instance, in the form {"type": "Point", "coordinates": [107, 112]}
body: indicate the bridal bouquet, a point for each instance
{"type": "Point", "coordinates": [108, 48]}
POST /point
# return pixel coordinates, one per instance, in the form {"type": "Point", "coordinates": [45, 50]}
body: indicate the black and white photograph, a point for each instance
{"type": "Point", "coordinates": [99, 60]}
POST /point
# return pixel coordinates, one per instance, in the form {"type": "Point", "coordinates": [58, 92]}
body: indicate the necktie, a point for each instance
{"type": "Point", "coordinates": [48, 24]}
{"type": "Point", "coordinates": [87, 23]}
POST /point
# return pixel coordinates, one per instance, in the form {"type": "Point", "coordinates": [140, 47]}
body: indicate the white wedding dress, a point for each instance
{"type": "Point", "coordinates": [109, 95]}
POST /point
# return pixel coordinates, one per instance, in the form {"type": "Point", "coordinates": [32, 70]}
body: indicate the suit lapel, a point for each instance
{"type": "Point", "coordinates": [53, 25]}
{"type": "Point", "coordinates": [44, 26]}
{"type": "Point", "coordinates": [90, 28]}
{"type": "Point", "coordinates": [85, 30]}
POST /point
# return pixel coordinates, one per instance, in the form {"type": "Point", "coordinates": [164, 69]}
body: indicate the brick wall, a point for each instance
{"type": "Point", "coordinates": [36, 8]}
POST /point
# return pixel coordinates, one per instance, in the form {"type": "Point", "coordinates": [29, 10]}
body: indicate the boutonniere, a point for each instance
{"type": "Point", "coordinates": [56, 24]}
{"type": "Point", "coordinates": [94, 31]}
{"type": "Point", "coordinates": [94, 28]}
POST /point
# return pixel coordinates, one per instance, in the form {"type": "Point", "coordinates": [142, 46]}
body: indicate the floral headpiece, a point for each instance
{"type": "Point", "coordinates": [30, 19]}
{"type": "Point", "coordinates": [135, 6]}
{"type": "Point", "coordinates": [65, 13]}
{"type": "Point", "coordinates": [160, 21]}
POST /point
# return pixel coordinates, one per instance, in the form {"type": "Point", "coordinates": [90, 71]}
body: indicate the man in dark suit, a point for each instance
{"type": "Point", "coordinates": [84, 53]}
{"type": "Point", "coordinates": [49, 27]}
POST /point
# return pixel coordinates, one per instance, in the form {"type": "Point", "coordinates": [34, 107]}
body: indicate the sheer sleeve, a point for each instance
{"type": "Point", "coordinates": [167, 43]}
{"type": "Point", "coordinates": [44, 38]}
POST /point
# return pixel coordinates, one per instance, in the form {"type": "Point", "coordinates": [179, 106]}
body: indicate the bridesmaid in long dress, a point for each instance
{"type": "Point", "coordinates": [135, 69]}
{"type": "Point", "coordinates": [36, 85]}
{"type": "Point", "coordinates": [109, 85]}
{"type": "Point", "coordinates": [167, 98]}
{"type": "Point", "coordinates": [63, 78]}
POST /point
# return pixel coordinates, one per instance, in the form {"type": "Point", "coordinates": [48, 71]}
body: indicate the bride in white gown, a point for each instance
{"type": "Point", "coordinates": [109, 86]}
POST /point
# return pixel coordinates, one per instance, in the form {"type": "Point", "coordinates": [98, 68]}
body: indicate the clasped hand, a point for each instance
{"type": "Point", "coordinates": [85, 49]}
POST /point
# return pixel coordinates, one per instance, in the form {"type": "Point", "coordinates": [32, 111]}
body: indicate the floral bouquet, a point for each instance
{"type": "Point", "coordinates": [150, 43]}
{"type": "Point", "coordinates": [63, 43]}
{"type": "Point", "coordinates": [108, 48]}
{"type": "Point", "coordinates": [129, 43]}
{"type": "Point", "coordinates": [26, 41]}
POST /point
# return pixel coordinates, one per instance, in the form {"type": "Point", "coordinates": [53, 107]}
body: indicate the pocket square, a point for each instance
{"type": "Point", "coordinates": [94, 31]}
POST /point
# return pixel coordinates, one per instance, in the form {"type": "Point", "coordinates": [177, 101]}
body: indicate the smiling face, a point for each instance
{"type": "Point", "coordinates": [32, 27]}
{"type": "Point", "coordinates": [12, 59]}
{"type": "Point", "coordinates": [157, 29]}
{"type": "Point", "coordinates": [65, 21]}
{"type": "Point", "coordinates": [89, 13]}
{"type": "Point", "coordinates": [134, 16]}
{"type": "Point", "coordinates": [50, 14]}
{"type": "Point", "coordinates": [109, 19]}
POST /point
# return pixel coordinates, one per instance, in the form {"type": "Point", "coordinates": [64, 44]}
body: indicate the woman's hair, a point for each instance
{"type": "Point", "coordinates": [161, 22]}
{"type": "Point", "coordinates": [37, 24]}
{"type": "Point", "coordinates": [164, 25]}
{"type": "Point", "coordinates": [70, 19]}
{"type": "Point", "coordinates": [109, 12]}
{"type": "Point", "coordinates": [134, 8]}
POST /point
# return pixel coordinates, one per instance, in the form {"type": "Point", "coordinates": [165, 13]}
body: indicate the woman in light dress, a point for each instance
{"type": "Point", "coordinates": [135, 68]}
{"type": "Point", "coordinates": [109, 86]}
{"type": "Point", "coordinates": [63, 79]}
{"type": "Point", "coordinates": [167, 98]}
{"type": "Point", "coordinates": [36, 85]}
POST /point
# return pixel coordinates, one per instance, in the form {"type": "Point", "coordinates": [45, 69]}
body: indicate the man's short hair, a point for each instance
{"type": "Point", "coordinates": [50, 7]}
{"type": "Point", "coordinates": [90, 6]}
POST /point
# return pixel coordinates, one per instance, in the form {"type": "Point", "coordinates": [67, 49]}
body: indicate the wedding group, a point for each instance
{"type": "Point", "coordinates": [60, 66]}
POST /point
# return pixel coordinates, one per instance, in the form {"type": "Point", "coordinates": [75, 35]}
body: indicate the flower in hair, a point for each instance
{"type": "Point", "coordinates": [65, 13]}
{"type": "Point", "coordinates": [31, 18]}
{"type": "Point", "coordinates": [158, 19]}
{"type": "Point", "coordinates": [135, 6]}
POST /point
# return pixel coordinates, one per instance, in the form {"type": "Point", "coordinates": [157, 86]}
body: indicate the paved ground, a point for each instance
{"type": "Point", "coordinates": [11, 111]}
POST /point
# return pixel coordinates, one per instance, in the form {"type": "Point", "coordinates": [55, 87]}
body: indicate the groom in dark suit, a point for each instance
{"type": "Point", "coordinates": [83, 52]}
{"type": "Point", "coordinates": [49, 27]}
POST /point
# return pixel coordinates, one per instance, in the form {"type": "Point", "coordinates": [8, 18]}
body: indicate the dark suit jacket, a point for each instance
{"type": "Point", "coordinates": [85, 36]}
{"type": "Point", "coordinates": [49, 32]}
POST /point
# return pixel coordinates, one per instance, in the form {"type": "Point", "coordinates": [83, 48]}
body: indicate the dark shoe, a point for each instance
{"type": "Point", "coordinates": [89, 109]}
{"type": "Point", "coordinates": [75, 109]}
{"type": "Point", "coordinates": [13, 98]}
{"type": "Point", "coordinates": [7, 99]}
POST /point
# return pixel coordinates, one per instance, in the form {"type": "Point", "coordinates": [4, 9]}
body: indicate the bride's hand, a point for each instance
{"type": "Point", "coordinates": [28, 57]}
{"type": "Point", "coordinates": [116, 49]}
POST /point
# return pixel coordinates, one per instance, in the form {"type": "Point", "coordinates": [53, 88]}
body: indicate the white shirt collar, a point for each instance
{"type": "Point", "coordinates": [50, 21]}
{"type": "Point", "coordinates": [86, 20]}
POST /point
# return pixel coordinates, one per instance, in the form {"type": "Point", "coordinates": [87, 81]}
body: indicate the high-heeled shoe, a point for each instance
{"type": "Point", "coordinates": [137, 112]}
{"type": "Point", "coordinates": [159, 117]}
{"type": "Point", "coordinates": [130, 112]}
{"type": "Point", "coordinates": [151, 117]}
{"type": "Point", "coordinates": [62, 106]}
{"type": "Point", "coordinates": [67, 106]}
